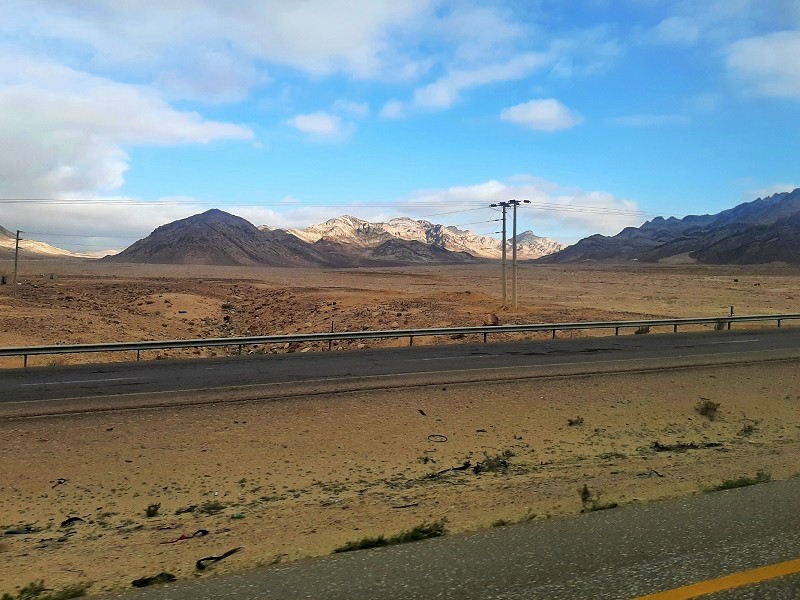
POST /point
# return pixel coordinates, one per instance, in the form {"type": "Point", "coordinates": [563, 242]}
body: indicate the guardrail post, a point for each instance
{"type": "Point", "coordinates": [779, 322]}
{"type": "Point", "coordinates": [616, 330]}
{"type": "Point", "coordinates": [239, 352]}
{"type": "Point", "coordinates": [729, 323]}
{"type": "Point", "coordinates": [411, 340]}
{"type": "Point", "coordinates": [485, 335]}
{"type": "Point", "coordinates": [137, 356]}
{"type": "Point", "coordinates": [554, 334]}
{"type": "Point", "coordinates": [675, 328]}
{"type": "Point", "coordinates": [25, 361]}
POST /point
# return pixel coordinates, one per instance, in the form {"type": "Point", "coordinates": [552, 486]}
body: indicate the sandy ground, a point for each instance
{"type": "Point", "coordinates": [74, 302]}
{"type": "Point", "coordinates": [309, 474]}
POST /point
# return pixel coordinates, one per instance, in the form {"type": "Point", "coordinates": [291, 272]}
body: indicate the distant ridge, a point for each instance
{"type": "Point", "coordinates": [219, 238]}
{"type": "Point", "coordinates": [357, 232]}
{"type": "Point", "coordinates": [762, 231]}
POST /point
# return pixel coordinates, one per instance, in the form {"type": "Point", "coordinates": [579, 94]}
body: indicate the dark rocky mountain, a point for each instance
{"type": "Point", "coordinates": [219, 238]}
{"type": "Point", "coordinates": [761, 231]}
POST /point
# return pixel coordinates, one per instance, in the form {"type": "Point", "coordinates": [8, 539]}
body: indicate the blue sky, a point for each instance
{"type": "Point", "coordinates": [288, 112]}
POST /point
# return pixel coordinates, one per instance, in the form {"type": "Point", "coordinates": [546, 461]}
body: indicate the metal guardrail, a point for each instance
{"type": "Point", "coordinates": [138, 347]}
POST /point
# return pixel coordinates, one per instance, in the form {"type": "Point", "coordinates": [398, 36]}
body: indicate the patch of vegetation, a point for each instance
{"type": "Point", "coordinates": [498, 462]}
{"type": "Point", "coordinates": [719, 325]}
{"type": "Point", "coordinates": [186, 509]}
{"type": "Point", "coordinates": [683, 446]}
{"type": "Point", "coordinates": [211, 507]}
{"type": "Point", "coordinates": [749, 428]}
{"type": "Point", "coordinates": [730, 484]}
{"type": "Point", "coordinates": [37, 591]}
{"type": "Point", "coordinates": [612, 455]}
{"type": "Point", "coordinates": [591, 501]}
{"type": "Point", "coordinates": [420, 532]}
{"type": "Point", "coordinates": [707, 408]}
{"type": "Point", "coordinates": [643, 330]}
{"type": "Point", "coordinates": [576, 422]}
{"type": "Point", "coordinates": [152, 510]}
{"type": "Point", "coordinates": [501, 523]}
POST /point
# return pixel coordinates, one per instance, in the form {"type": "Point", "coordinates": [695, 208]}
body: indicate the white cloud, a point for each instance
{"type": "Point", "coordinates": [65, 132]}
{"type": "Point", "coordinates": [766, 192]}
{"type": "Point", "coordinates": [356, 109]}
{"type": "Point", "coordinates": [446, 91]}
{"type": "Point", "coordinates": [320, 125]}
{"type": "Point", "coordinates": [651, 120]}
{"type": "Point", "coordinates": [216, 47]}
{"type": "Point", "coordinates": [562, 213]}
{"type": "Point", "coordinates": [394, 109]}
{"type": "Point", "coordinates": [768, 64]}
{"type": "Point", "coordinates": [680, 31]}
{"type": "Point", "coordinates": [542, 115]}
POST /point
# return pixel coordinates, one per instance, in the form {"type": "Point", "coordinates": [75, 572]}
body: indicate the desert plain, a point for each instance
{"type": "Point", "coordinates": [289, 479]}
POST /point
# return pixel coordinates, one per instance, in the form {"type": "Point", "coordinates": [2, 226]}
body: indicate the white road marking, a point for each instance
{"type": "Point", "coordinates": [79, 381]}
{"type": "Point", "coordinates": [735, 342]}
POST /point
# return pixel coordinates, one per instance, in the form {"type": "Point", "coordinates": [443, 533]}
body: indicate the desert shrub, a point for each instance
{"type": "Point", "coordinates": [420, 532]}
{"type": "Point", "coordinates": [644, 329]}
{"type": "Point", "coordinates": [719, 325]}
{"type": "Point", "coordinates": [152, 510]}
{"type": "Point", "coordinates": [576, 422]}
{"type": "Point", "coordinates": [707, 408]}
{"type": "Point", "coordinates": [591, 501]}
{"type": "Point", "coordinates": [37, 591]}
{"type": "Point", "coordinates": [730, 484]}
{"type": "Point", "coordinates": [211, 507]}
{"type": "Point", "coordinates": [498, 462]}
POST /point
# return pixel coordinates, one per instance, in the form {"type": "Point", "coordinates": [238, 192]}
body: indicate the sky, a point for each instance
{"type": "Point", "coordinates": [117, 117]}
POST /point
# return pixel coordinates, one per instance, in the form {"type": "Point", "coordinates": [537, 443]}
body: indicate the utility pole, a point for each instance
{"type": "Point", "coordinates": [504, 206]}
{"type": "Point", "coordinates": [16, 261]}
{"type": "Point", "coordinates": [515, 203]}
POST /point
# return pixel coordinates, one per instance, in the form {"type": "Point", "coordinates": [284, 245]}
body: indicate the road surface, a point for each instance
{"type": "Point", "coordinates": [331, 368]}
{"type": "Point", "coordinates": [629, 552]}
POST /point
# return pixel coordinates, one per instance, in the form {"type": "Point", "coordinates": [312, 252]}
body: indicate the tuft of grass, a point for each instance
{"type": "Point", "coordinates": [707, 408]}
{"type": "Point", "coordinates": [152, 510]}
{"type": "Point", "coordinates": [749, 428]}
{"type": "Point", "coordinates": [37, 591]}
{"type": "Point", "coordinates": [730, 484]}
{"type": "Point", "coordinates": [420, 532]}
{"type": "Point", "coordinates": [591, 501]}
{"type": "Point", "coordinates": [643, 330]}
{"type": "Point", "coordinates": [211, 507]}
{"type": "Point", "coordinates": [576, 422]}
{"type": "Point", "coordinates": [498, 462]}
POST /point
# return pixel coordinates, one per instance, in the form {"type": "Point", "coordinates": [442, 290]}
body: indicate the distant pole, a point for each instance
{"type": "Point", "coordinates": [504, 206]}
{"type": "Point", "coordinates": [16, 261]}
{"type": "Point", "coordinates": [515, 203]}
{"type": "Point", "coordinates": [514, 258]}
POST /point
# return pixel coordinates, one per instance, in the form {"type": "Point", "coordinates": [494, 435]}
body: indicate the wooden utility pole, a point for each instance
{"type": "Point", "coordinates": [514, 203]}
{"type": "Point", "coordinates": [16, 261]}
{"type": "Point", "coordinates": [504, 206]}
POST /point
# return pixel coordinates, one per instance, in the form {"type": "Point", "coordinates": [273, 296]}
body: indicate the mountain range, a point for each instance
{"type": "Point", "coordinates": [364, 234]}
{"type": "Point", "coordinates": [219, 238]}
{"type": "Point", "coordinates": [762, 231]}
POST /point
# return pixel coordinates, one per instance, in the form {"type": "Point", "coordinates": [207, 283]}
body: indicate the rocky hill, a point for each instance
{"type": "Point", "coordinates": [764, 230]}
{"type": "Point", "coordinates": [357, 232]}
{"type": "Point", "coordinates": [219, 238]}
{"type": "Point", "coordinates": [31, 249]}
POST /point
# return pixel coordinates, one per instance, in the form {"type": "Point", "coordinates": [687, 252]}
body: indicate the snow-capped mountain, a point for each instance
{"type": "Point", "coordinates": [363, 234]}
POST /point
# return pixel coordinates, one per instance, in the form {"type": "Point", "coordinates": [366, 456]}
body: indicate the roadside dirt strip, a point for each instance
{"type": "Point", "coordinates": [285, 472]}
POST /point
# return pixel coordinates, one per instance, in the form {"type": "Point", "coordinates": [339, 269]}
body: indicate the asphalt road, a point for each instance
{"type": "Point", "coordinates": [87, 381]}
{"type": "Point", "coordinates": [627, 553]}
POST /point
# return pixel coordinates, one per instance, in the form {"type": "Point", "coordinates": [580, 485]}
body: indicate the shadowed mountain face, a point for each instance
{"type": "Point", "coordinates": [762, 231]}
{"type": "Point", "coordinates": [218, 238]}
